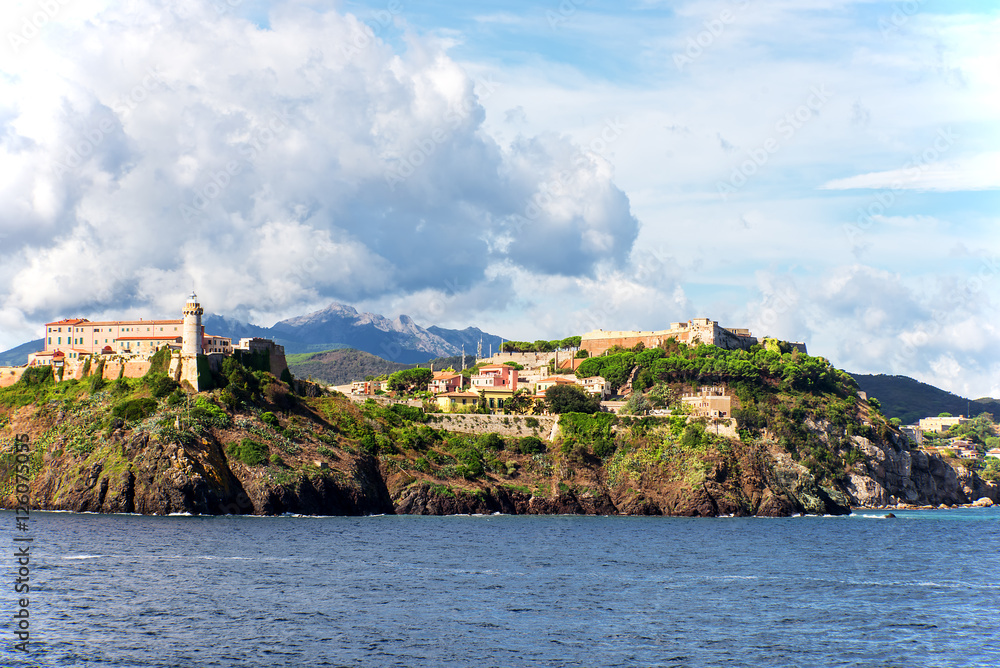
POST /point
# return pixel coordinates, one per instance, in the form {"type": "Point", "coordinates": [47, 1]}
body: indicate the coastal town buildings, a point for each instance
{"type": "Point", "coordinates": [692, 332]}
{"type": "Point", "coordinates": [74, 347]}
{"type": "Point", "coordinates": [709, 401]}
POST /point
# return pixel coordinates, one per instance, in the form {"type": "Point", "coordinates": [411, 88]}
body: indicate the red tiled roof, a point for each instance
{"type": "Point", "coordinates": [68, 321]}
{"type": "Point", "coordinates": [164, 337]}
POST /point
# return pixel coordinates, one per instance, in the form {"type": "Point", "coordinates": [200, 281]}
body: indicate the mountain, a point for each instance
{"type": "Point", "coordinates": [910, 400]}
{"type": "Point", "coordinates": [469, 337]}
{"type": "Point", "coordinates": [398, 340]}
{"type": "Point", "coordinates": [19, 355]}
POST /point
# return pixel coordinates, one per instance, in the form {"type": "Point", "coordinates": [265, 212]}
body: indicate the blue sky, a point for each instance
{"type": "Point", "coordinates": [824, 171]}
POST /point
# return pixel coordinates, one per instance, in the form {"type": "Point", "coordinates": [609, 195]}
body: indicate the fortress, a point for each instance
{"type": "Point", "coordinates": [692, 332]}
{"type": "Point", "coordinates": [122, 348]}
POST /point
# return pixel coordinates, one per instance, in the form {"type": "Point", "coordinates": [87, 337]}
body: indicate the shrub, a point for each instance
{"type": "Point", "coordinates": [276, 460]}
{"type": "Point", "coordinates": [269, 419]}
{"type": "Point", "coordinates": [251, 452]}
{"type": "Point", "coordinates": [532, 422]}
{"type": "Point", "coordinates": [491, 441]}
{"type": "Point", "coordinates": [176, 397]}
{"type": "Point", "coordinates": [604, 447]}
{"type": "Point", "coordinates": [530, 445]}
{"type": "Point", "coordinates": [134, 409]}
{"type": "Point", "coordinates": [160, 385]}
{"type": "Point", "coordinates": [324, 451]}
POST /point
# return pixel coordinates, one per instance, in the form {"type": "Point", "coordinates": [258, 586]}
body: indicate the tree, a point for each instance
{"type": "Point", "coordinates": [571, 399]}
{"type": "Point", "coordinates": [637, 404]}
{"type": "Point", "coordinates": [520, 403]}
{"type": "Point", "coordinates": [408, 380]}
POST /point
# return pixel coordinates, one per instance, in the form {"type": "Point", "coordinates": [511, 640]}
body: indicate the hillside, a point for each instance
{"type": "Point", "coordinates": [807, 444]}
{"type": "Point", "coordinates": [338, 367]}
{"type": "Point", "coordinates": [19, 355]}
{"type": "Point", "coordinates": [910, 400]}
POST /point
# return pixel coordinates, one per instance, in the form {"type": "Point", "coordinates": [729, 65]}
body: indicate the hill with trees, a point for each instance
{"type": "Point", "coordinates": [909, 400]}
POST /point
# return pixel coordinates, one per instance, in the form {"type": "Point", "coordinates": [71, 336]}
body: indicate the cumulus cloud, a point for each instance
{"type": "Point", "coordinates": [869, 320]}
{"type": "Point", "coordinates": [150, 149]}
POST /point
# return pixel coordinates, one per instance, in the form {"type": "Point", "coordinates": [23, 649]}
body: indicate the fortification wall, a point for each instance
{"type": "Point", "coordinates": [505, 425]}
{"type": "Point", "coordinates": [10, 375]}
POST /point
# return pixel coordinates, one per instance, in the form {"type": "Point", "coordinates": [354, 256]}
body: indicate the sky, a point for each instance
{"type": "Point", "coordinates": [824, 172]}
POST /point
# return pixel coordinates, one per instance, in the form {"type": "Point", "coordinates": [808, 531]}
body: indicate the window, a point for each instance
{"type": "Point", "coordinates": [59, 341]}
{"type": "Point", "coordinates": [50, 339]}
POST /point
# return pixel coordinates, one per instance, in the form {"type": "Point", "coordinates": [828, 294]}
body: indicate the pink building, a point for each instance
{"type": "Point", "coordinates": [444, 381]}
{"type": "Point", "coordinates": [495, 376]}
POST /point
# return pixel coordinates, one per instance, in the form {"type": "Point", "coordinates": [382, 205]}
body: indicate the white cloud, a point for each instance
{"type": "Point", "coordinates": [153, 147]}
{"type": "Point", "coordinates": [979, 172]}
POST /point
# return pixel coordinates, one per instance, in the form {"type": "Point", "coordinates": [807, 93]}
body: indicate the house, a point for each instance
{"type": "Point", "coordinates": [995, 452]}
{"type": "Point", "coordinates": [495, 376]}
{"type": "Point", "coordinates": [596, 385]}
{"type": "Point", "coordinates": [941, 424]}
{"type": "Point", "coordinates": [445, 381]}
{"type": "Point", "coordinates": [452, 402]}
{"type": "Point", "coordinates": [362, 387]}
{"type": "Point", "coordinates": [542, 386]}
{"type": "Point", "coordinates": [709, 401]}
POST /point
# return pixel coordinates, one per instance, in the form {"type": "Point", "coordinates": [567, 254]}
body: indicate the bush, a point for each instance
{"type": "Point", "coordinates": [604, 448]}
{"type": "Point", "coordinates": [269, 419]}
{"type": "Point", "coordinates": [249, 451]}
{"type": "Point", "coordinates": [160, 385]}
{"type": "Point", "coordinates": [571, 399]}
{"type": "Point", "coordinates": [530, 445]}
{"type": "Point", "coordinates": [532, 422]}
{"type": "Point", "coordinates": [134, 409]}
{"type": "Point", "coordinates": [177, 397]}
{"type": "Point", "coordinates": [276, 460]}
{"type": "Point", "coordinates": [491, 441]}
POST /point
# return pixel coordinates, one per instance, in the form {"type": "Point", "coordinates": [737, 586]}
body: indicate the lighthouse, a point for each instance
{"type": "Point", "coordinates": [192, 332]}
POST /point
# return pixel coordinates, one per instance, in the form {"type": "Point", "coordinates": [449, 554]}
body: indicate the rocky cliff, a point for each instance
{"type": "Point", "coordinates": [328, 456]}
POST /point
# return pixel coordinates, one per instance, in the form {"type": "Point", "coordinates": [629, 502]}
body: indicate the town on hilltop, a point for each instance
{"type": "Point", "coordinates": [521, 379]}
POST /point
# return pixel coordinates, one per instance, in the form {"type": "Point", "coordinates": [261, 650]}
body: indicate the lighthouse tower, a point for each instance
{"type": "Point", "coordinates": [192, 332]}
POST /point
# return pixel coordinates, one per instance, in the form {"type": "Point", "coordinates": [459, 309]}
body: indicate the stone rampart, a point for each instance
{"type": "Point", "coordinates": [10, 375]}
{"type": "Point", "coordinates": [505, 425]}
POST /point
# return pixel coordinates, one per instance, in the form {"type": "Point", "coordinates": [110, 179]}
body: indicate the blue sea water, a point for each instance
{"type": "Point", "coordinates": [919, 590]}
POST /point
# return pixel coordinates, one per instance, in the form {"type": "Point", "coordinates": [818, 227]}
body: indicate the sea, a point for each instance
{"type": "Point", "coordinates": [920, 589]}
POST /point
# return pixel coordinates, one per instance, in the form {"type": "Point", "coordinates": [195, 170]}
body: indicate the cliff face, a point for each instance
{"type": "Point", "coordinates": [328, 457]}
{"type": "Point", "coordinates": [891, 474]}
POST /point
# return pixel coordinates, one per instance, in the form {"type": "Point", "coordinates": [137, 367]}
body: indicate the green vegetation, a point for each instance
{"type": "Point", "coordinates": [249, 451]}
{"type": "Point", "coordinates": [571, 399]}
{"type": "Point", "coordinates": [541, 346]}
{"type": "Point", "coordinates": [410, 380]}
{"type": "Point", "coordinates": [910, 400]}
